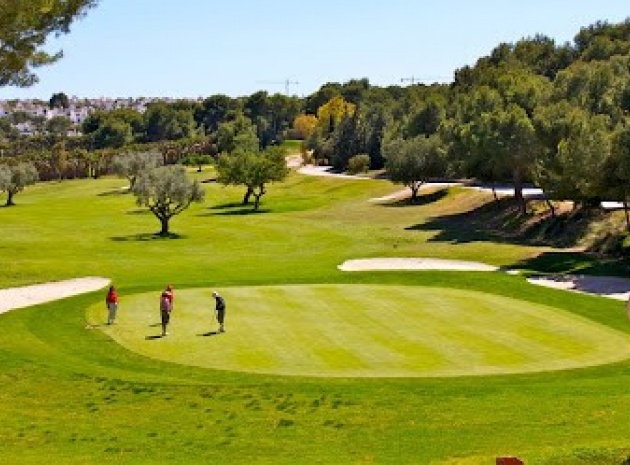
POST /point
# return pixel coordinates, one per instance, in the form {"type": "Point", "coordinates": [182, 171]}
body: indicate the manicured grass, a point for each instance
{"type": "Point", "coordinates": [366, 331]}
{"type": "Point", "coordinates": [292, 145]}
{"type": "Point", "coordinates": [75, 395]}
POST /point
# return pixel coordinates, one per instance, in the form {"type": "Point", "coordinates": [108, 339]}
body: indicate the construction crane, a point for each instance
{"type": "Point", "coordinates": [417, 80]}
{"type": "Point", "coordinates": [412, 80]}
{"type": "Point", "coordinates": [287, 84]}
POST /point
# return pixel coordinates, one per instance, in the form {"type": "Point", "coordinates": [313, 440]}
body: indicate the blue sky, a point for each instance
{"type": "Point", "coordinates": [197, 48]}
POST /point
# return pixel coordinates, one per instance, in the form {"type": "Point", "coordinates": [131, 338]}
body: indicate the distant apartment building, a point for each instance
{"type": "Point", "coordinates": [77, 111]}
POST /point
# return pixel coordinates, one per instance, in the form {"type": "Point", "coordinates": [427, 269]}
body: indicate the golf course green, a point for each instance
{"type": "Point", "coordinates": [366, 331]}
{"type": "Point", "coordinates": [317, 365]}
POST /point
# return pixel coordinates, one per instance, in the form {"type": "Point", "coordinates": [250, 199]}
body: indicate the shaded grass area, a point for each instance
{"type": "Point", "coordinates": [504, 223]}
{"type": "Point", "coordinates": [575, 263]}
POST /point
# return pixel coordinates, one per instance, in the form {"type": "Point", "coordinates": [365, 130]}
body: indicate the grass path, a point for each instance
{"type": "Point", "coordinates": [366, 331]}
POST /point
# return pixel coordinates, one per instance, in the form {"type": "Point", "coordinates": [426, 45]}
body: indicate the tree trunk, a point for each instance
{"type": "Point", "coordinates": [551, 207]}
{"type": "Point", "coordinates": [518, 188]}
{"type": "Point", "coordinates": [258, 195]}
{"type": "Point", "coordinates": [10, 198]}
{"type": "Point", "coordinates": [247, 195]}
{"type": "Point", "coordinates": [625, 210]}
{"type": "Point", "coordinates": [164, 223]}
{"type": "Point", "coordinates": [414, 192]}
{"type": "Point", "coordinates": [494, 194]}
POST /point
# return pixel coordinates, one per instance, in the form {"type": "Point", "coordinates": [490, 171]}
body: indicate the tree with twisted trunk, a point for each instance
{"type": "Point", "coordinates": [166, 191]}
{"type": "Point", "coordinates": [14, 179]}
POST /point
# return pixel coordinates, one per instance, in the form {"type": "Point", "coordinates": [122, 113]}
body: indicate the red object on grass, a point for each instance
{"type": "Point", "coordinates": [509, 461]}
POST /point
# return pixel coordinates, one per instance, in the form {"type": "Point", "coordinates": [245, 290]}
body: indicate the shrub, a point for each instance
{"type": "Point", "coordinates": [359, 164]}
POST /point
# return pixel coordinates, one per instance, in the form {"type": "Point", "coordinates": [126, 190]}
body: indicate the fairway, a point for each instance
{"type": "Point", "coordinates": [365, 331]}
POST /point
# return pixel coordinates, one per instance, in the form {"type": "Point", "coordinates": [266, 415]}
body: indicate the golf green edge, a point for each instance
{"type": "Point", "coordinates": [360, 330]}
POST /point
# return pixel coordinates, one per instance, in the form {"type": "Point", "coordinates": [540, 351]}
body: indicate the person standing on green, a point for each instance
{"type": "Point", "coordinates": [111, 300]}
{"type": "Point", "coordinates": [166, 307]}
{"type": "Point", "coordinates": [220, 310]}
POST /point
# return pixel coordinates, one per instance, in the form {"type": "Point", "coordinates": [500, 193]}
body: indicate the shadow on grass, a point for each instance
{"type": "Point", "coordinates": [419, 201]}
{"type": "Point", "coordinates": [138, 211]}
{"type": "Point", "coordinates": [154, 337]}
{"type": "Point", "coordinates": [234, 209]}
{"type": "Point", "coordinates": [575, 263]}
{"type": "Point", "coordinates": [211, 333]}
{"type": "Point", "coordinates": [145, 237]}
{"type": "Point", "coordinates": [119, 191]}
{"type": "Point", "coordinates": [461, 228]}
{"type": "Point", "coordinates": [243, 212]}
{"type": "Point", "coordinates": [226, 206]}
{"type": "Point", "coordinates": [504, 222]}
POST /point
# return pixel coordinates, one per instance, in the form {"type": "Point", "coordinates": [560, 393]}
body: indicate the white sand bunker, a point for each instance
{"type": "Point", "coordinates": [607, 286]}
{"type": "Point", "coordinates": [20, 297]}
{"type": "Point", "coordinates": [313, 170]}
{"type": "Point", "coordinates": [368, 264]}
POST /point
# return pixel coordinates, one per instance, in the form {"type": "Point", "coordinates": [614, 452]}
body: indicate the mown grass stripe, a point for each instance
{"type": "Point", "coordinates": [371, 331]}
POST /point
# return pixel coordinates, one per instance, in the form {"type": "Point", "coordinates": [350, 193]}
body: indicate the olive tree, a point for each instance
{"type": "Point", "coordinates": [412, 162]}
{"type": "Point", "coordinates": [254, 170]}
{"type": "Point", "coordinates": [5, 177]}
{"type": "Point", "coordinates": [14, 179]}
{"type": "Point", "coordinates": [166, 191]}
{"type": "Point", "coordinates": [131, 165]}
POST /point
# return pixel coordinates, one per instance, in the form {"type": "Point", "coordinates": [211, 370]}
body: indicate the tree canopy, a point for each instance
{"type": "Point", "coordinates": [14, 179]}
{"type": "Point", "coordinates": [412, 162]}
{"type": "Point", "coordinates": [166, 191]}
{"type": "Point", "coordinates": [24, 27]}
{"type": "Point", "coordinates": [254, 170]}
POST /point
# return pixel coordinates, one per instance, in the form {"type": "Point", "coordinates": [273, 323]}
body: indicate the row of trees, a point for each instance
{"type": "Point", "coordinates": [157, 184]}
{"type": "Point", "coordinates": [557, 115]}
{"type": "Point", "coordinates": [166, 190]}
{"type": "Point", "coordinates": [535, 112]}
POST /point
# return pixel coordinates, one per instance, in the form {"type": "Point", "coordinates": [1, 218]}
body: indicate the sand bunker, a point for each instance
{"type": "Point", "coordinates": [605, 286]}
{"type": "Point", "coordinates": [20, 297]}
{"type": "Point", "coordinates": [367, 264]}
{"type": "Point", "coordinates": [312, 170]}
